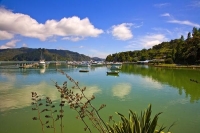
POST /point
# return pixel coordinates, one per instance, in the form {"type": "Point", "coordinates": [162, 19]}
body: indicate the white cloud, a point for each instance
{"type": "Point", "coordinates": [161, 5]}
{"type": "Point", "coordinates": [185, 22]}
{"type": "Point", "coordinates": [165, 15]}
{"type": "Point", "coordinates": [73, 38]}
{"type": "Point", "coordinates": [150, 40]}
{"type": "Point", "coordinates": [147, 41]}
{"type": "Point", "coordinates": [122, 31]}
{"type": "Point", "coordinates": [4, 35]}
{"type": "Point", "coordinates": [10, 44]}
{"type": "Point", "coordinates": [22, 24]}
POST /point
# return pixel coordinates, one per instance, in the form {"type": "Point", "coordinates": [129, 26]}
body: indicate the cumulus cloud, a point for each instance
{"type": "Point", "coordinates": [122, 31]}
{"type": "Point", "coordinates": [150, 40]}
{"type": "Point", "coordinates": [4, 35]}
{"type": "Point", "coordinates": [73, 38]}
{"type": "Point", "coordinates": [165, 15]}
{"type": "Point", "coordinates": [185, 22]}
{"type": "Point", "coordinates": [24, 25]}
{"type": "Point", "coordinates": [10, 44]}
{"type": "Point", "coordinates": [147, 41]}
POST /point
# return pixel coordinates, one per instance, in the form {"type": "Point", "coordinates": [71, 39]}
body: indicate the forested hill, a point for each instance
{"type": "Point", "coordinates": [30, 54]}
{"type": "Point", "coordinates": [180, 51]}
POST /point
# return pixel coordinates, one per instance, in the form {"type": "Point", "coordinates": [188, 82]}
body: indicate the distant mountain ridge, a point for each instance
{"type": "Point", "coordinates": [33, 54]}
{"type": "Point", "coordinates": [97, 59]}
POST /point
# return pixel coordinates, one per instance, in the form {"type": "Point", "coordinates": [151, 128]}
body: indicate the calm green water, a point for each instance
{"type": "Point", "coordinates": [168, 90]}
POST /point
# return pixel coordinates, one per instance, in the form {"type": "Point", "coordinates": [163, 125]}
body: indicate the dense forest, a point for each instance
{"type": "Point", "coordinates": [30, 54]}
{"type": "Point", "coordinates": [179, 51]}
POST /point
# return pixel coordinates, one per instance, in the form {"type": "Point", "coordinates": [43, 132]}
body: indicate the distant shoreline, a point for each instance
{"type": "Point", "coordinates": [168, 65]}
{"type": "Point", "coordinates": [178, 66]}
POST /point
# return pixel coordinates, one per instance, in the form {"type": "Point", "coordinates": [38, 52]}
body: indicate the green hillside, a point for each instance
{"type": "Point", "coordinates": [180, 51]}
{"type": "Point", "coordinates": [30, 54]}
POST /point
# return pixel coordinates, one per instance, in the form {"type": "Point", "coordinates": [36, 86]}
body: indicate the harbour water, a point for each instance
{"type": "Point", "coordinates": [175, 92]}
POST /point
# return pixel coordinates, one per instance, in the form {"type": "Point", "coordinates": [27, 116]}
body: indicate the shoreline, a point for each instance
{"type": "Point", "coordinates": [167, 65]}
{"type": "Point", "coordinates": [178, 66]}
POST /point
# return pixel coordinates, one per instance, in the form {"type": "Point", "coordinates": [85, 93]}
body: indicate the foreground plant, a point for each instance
{"type": "Point", "coordinates": [75, 97]}
{"type": "Point", "coordinates": [136, 124]}
{"type": "Point", "coordinates": [45, 109]}
{"type": "Point", "coordinates": [78, 101]}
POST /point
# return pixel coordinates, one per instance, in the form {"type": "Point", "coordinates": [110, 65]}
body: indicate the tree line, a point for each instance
{"type": "Point", "coordinates": [179, 51]}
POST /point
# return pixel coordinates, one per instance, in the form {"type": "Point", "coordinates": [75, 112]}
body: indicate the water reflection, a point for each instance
{"type": "Point", "coordinates": [121, 90]}
{"type": "Point", "coordinates": [177, 78]}
{"type": "Point", "coordinates": [13, 98]}
{"type": "Point", "coordinates": [90, 90]}
{"type": "Point", "coordinates": [151, 82]}
{"type": "Point", "coordinates": [7, 77]}
{"type": "Point", "coordinates": [42, 70]}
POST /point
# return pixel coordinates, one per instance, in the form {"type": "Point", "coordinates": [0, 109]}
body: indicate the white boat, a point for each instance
{"type": "Point", "coordinates": [42, 63]}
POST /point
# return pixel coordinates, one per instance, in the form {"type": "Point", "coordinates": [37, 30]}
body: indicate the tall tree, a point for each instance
{"type": "Point", "coordinates": [189, 35]}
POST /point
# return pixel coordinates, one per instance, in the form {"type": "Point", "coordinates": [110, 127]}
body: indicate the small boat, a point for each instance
{"type": "Point", "coordinates": [57, 62]}
{"type": "Point", "coordinates": [83, 70]}
{"type": "Point", "coordinates": [113, 72]}
{"type": "Point", "coordinates": [42, 63]}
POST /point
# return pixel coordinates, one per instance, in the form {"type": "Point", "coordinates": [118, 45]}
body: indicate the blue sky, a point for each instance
{"type": "Point", "coordinates": [95, 28]}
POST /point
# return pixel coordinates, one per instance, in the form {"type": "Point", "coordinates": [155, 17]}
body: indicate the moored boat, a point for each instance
{"type": "Point", "coordinates": [42, 63]}
{"type": "Point", "coordinates": [83, 70]}
{"type": "Point", "coordinates": [113, 72]}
